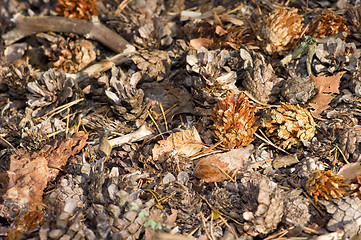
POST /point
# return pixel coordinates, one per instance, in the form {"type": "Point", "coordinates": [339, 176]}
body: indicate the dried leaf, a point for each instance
{"type": "Point", "coordinates": [28, 177]}
{"type": "Point", "coordinates": [325, 85]}
{"type": "Point", "coordinates": [208, 168]}
{"type": "Point", "coordinates": [186, 143]}
{"type": "Point", "coordinates": [197, 43]}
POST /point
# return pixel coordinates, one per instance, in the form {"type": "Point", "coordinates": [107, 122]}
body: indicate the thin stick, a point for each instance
{"type": "Point", "coordinates": [165, 119]}
{"type": "Point", "coordinates": [270, 143]}
{"type": "Point", "coordinates": [63, 107]}
{"type": "Point", "coordinates": [205, 226]}
{"type": "Point", "coordinates": [222, 171]}
{"type": "Point", "coordinates": [155, 123]}
{"type": "Point", "coordinates": [8, 143]}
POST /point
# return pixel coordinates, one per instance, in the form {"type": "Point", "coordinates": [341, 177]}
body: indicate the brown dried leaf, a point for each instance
{"type": "Point", "coordinates": [29, 175]}
{"type": "Point", "coordinates": [186, 143]}
{"type": "Point", "coordinates": [197, 43]}
{"type": "Point", "coordinates": [325, 85]}
{"type": "Point", "coordinates": [208, 168]}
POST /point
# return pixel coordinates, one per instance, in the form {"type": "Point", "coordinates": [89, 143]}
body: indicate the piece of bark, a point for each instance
{"type": "Point", "coordinates": [26, 26]}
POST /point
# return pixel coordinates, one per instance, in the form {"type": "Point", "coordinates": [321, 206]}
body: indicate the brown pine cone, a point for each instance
{"type": "Point", "coordinates": [50, 91]}
{"type": "Point", "coordinates": [327, 24]}
{"type": "Point", "coordinates": [283, 26]}
{"type": "Point", "coordinates": [153, 65]}
{"type": "Point", "coordinates": [288, 125]}
{"type": "Point", "coordinates": [79, 9]}
{"type": "Point", "coordinates": [256, 202]}
{"type": "Point", "coordinates": [298, 89]}
{"type": "Point", "coordinates": [257, 76]}
{"type": "Point", "coordinates": [126, 99]}
{"type": "Point", "coordinates": [350, 142]}
{"type": "Point", "coordinates": [213, 80]}
{"type": "Point", "coordinates": [234, 121]}
{"type": "Point", "coordinates": [296, 209]}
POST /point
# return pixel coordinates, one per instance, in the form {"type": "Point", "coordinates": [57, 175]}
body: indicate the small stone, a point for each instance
{"type": "Point", "coordinates": [183, 177]}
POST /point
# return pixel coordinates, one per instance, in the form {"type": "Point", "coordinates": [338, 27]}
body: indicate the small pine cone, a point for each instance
{"type": "Point", "coordinates": [69, 55]}
{"type": "Point", "coordinates": [156, 35]}
{"type": "Point", "coordinates": [214, 80]}
{"type": "Point", "coordinates": [288, 125]}
{"type": "Point", "coordinates": [79, 9]}
{"type": "Point", "coordinates": [234, 122]}
{"type": "Point", "coordinates": [328, 24]}
{"type": "Point", "coordinates": [257, 76]}
{"type": "Point", "coordinates": [126, 99]}
{"type": "Point", "coordinates": [346, 214]}
{"type": "Point", "coordinates": [335, 55]}
{"type": "Point", "coordinates": [353, 15]}
{"type": "Point", "coordinates": [296, 209]}
{"type": "Point", "coordinates": [283, 26]}
{"type": "Point", "coordinates": [350, 142]}
{"type": "Point", "coordinates": [256, 202]}
{"type": "Point", "coordinates": [298, 90]}
{"type": "Point", "coordinates": [48, 92]}
{"type": "Point", "coordinates": [308, 165]}
{"type": "Point", "coordinates": [154, 65]}
{"type": "Point", "coordinates": [325, 185]}
{"type": "Point", "coordinates": [16, 78]}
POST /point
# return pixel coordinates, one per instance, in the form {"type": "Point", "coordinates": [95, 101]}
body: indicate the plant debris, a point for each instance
{"type": "Point", "coordinates": [181, 119]}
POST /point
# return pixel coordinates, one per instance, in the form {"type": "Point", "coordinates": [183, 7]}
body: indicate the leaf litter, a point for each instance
{"type": "Point", "coordinates": [180, 119]}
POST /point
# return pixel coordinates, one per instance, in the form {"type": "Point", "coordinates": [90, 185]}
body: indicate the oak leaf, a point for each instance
{"type": "Point", "coordinates": [326, 86]}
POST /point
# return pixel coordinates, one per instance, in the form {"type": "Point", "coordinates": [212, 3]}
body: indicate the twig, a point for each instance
{"type": "Point", "coordinates": [135, 136]}
{"type": "Point", "coordinates": [155, 123]}
{"type": "Point", "coordinates": [205, 226]}
{"type": "Point", "coordinates": [270, 143]}
{"type": "Point", "coordinates": [26, 26]}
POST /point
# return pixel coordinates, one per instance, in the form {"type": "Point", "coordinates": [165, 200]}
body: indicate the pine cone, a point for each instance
{"type": "Point", "coordinates": [234, 122]}
{"type": "Point", "coordinates": [325, 185]}
{"type": "Point", "coordinates": [283, 26]}
{"type": "Point", "coordinates": [309, 165]}
{"type": "Point", "coordinates": [256, 75]}
{"type": "Point", "coordinates": [256, 202]}
{"type": "Point", "coordinates": [353, 15]}
{"type": "Point", "coordinates": [328, 24]}
{"type": "Point", "coordinates": [79, 9]}
{"type": "Point", "coordinates": [335, 55]}
{"type": "Point", "coordinates": [288, 125]}
{"type": "Point", "coordinates": [16, 78]}
{"type": "Point", "coordinates": [48, 92]}
{"type": "Point", "coordinates": [346, 213]}
{"type": "Point", "coordinates": [298, 90]}
{"type": "Point", "coordinates": [155, 35]}
{"type": "Point", "coordinates": [350, 142]}
{"type": "Point", "coordinates": [214, 80]}
{"type": "Point", "coordinates": [296, 209]}
{"type": "Point", "coordinates": [69, 55]}
{"type": "Point", "coordinates": [154, 65]}
{"type": "Point", "coordinates": [126, 99]}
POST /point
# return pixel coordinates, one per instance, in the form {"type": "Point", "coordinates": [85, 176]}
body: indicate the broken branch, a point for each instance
{"type": "Point", "coordinates": [26, 26]}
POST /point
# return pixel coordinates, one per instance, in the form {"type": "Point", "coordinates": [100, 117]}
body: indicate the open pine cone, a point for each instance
{"type": "Point", "coordinates": [328, 24]}
{"type": "Point", "coordinates": [288, 125]}
{"type": "Point", "coordinates": [234, 121]}
{"type": "Point", "coordinates": [214, 80]}
{"type": "Point", "coordinates": [79, 9]}
{"type": "Point", "coordinates": [325, 185]}
{"type": "Point", "coordinates": [282, 27]}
